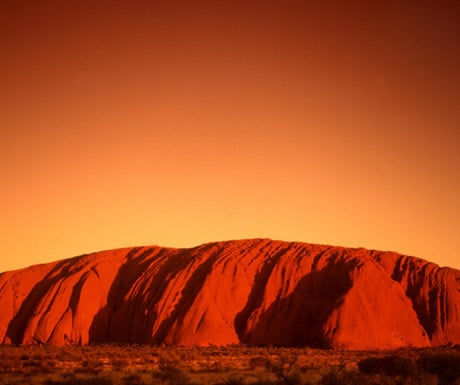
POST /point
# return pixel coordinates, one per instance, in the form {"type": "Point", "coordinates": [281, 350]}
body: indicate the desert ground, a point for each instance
{"type": "Point", "coordinates": [232, 365]}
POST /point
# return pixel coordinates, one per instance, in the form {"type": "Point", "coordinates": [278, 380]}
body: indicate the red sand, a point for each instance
{"type": "Point", "coordinates": [258, 292]}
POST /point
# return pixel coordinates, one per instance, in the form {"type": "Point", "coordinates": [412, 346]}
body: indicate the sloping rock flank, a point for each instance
{"type": "Point", "coordinates": [257, 292]}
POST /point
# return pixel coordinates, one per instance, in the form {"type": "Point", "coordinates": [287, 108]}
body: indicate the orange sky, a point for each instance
{"type": "Point", "coordinates": [175, 123]}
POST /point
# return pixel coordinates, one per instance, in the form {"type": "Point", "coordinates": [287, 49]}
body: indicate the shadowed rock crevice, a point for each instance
{"type": "Point", "coordinates": [129, 316]}
{"type": "Point", "coordinates": [188, 296]}
{"type": "Point", "coordinates": [111, 321]}
{"type": "Point", "coordinates": [430, 289]}
{"type": "Point", "coordinates": [76, 293]}
{"type": "Point", "coordinates": [28, 310]}
{"type": "Point", "coordinates": [256, 296]}
{"type": "Point", "coordinates": [299, 319]}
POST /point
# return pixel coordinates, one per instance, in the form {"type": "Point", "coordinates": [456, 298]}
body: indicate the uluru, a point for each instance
{"type": "Point", "coordinates": [256, 292]}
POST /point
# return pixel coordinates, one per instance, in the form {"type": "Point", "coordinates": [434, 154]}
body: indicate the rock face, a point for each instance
{"type": "Point", "coordinates": [257, 292]}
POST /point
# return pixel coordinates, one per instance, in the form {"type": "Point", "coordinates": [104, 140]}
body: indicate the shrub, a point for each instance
{"type": "Point", "coordinates": [388, 366]}
{"type": "Point", "coordinates": [86, 370]}
{"type": "Point", "coordinates": [32, 364]}
{"type": "Point", "coordinates": [446, 365]}
{"type": "Point", "coordinates": [132, 379]}
{"type": "Point", "coordinates": [81, 381]}
{"type": "Point", "coordinates": [171, 376]}
{"type": "Point", "coordinates": [285, 369]}
{"type": "Point", "coordinates": [232, 381]}
{"type": "Point", "coordinates": [119, 364]}
{"type": "Point", "coordinates": [340, 377]}
{"type": "Point", "coordinates": [259, 362]}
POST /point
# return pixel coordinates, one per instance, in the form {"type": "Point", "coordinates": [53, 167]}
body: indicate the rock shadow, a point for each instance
{"type": "Point", "coordinates": [300, 318]}
{"type": "Point", "coordinates": [18, 325]}
{"type": "Point", "coordinates": [188, 296]}
{"type": "Point", "coordinates": [256, 295]}
{"type": "Point", "coordinates": [131, 319]}
{"type": "Point", "coordinates": [110, 322]}
{"type": "Point", "coordinates": [423, 296]}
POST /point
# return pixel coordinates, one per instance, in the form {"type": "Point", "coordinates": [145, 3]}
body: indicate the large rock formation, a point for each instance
{"type": "Point", "coordinates": [257, 292]}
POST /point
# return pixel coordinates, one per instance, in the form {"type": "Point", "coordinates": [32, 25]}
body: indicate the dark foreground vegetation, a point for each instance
{"type": "Point", "coordinates": [235, 365]}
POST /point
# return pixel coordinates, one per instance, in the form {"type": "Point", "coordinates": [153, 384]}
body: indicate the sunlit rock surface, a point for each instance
{"type": "Point", "coordinates": [256, 292]}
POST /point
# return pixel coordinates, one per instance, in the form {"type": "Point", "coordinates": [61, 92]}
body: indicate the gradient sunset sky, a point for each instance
{"type": "Point", "coordinates": [175, 123]}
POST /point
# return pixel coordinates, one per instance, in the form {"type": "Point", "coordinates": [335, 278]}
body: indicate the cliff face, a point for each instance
{"type": "Point", "coordinates": [258, 292]}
